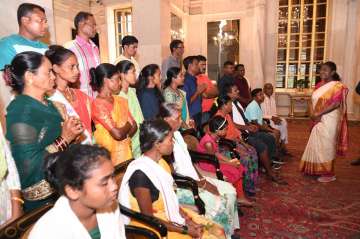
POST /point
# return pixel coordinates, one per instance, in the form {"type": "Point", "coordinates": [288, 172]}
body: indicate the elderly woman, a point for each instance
{"type": "Point", "coordinates": [34, 125]}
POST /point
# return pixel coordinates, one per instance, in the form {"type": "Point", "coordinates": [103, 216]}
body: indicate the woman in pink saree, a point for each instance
{"type": "Point", "coordinates": [329, 134]}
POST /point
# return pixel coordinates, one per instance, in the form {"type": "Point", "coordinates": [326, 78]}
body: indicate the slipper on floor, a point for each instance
{"type": "Point", "coordinates": [326, 179]}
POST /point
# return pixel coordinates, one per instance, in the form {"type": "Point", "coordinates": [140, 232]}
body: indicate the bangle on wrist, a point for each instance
{"type": "Point", "coordinates": [18, 200]}
{"type": "Point", "coordinates": [185, 230]}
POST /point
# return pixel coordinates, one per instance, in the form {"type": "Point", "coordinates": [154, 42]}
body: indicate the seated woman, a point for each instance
{"type": "Point", "coordinates": [231, 168]}
{"type": "Point", "coordinates": [128, 92]}
{"type": "Point", "coordinates": [248, 155]}
{"type": "Point", "coordinates": [148, 91]}
{"type": "Point", "coordinates": [173, 94]}
{"type": "Point", "coordinates": [84, 177]}
{"type": "Point", "coordinates": [34, 125]}
{"type": "Point", "coordinates": [114, 124]}
{"type": "Point", "coordinates": [77, 103]}
{"type": "Point", "coordinates": [148, 187]}
{"type": "Point", "coordinates": [219, 196]}
{"type": "Point", "coordinates": [10, 194]}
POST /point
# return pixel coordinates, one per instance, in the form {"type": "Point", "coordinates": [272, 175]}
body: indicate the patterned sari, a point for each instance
{"type": "Point", "coordinates": [329, 136]}
{"type": "Point", "coordinates": [31, 128]}
{"type": "Point", "coordinates": [248, 157]}
{"type": "Point", "coordinates": [107, 116]}
{"type": "Point", "coordinates": [170, 96]}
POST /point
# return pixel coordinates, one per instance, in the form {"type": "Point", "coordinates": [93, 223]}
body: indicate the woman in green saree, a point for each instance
{"type": "Point", "coordinates": [34, 126]}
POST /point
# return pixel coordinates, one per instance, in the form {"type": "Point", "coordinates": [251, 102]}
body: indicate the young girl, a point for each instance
{"type": "Point", "coordinates": [172, 94]}
{"type": "Point", "coordinates": [114, 124]}
{"type": "Point", "coordinates": [77, 103]}
{"type": "Point", "coordinates": [128, 92]}
{"type": "Point", "coordinates": [231, 168]}
{"type": "Point", "coordinates": [248, 156]}
{"type": "Point", "coordinates": [148, 91]}
{"type": "Point", "coordinates": [84, 176]}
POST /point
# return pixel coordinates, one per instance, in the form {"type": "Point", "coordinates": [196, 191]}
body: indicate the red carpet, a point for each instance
{"type": "Point", "coordinates": [306, 208]}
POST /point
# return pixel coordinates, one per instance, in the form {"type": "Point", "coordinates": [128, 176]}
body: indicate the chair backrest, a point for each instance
{"type": "Point", "coordinates": [133, 232]}
{"type": "Point", "coordinates": [21, 227]}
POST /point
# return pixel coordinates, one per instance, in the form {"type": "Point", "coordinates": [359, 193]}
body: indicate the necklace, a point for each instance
{"type": "Point", "coordinates": [68, 94]}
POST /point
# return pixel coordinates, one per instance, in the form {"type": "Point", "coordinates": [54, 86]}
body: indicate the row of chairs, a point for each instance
{"type": "Point", "coordinates": [21, 227]}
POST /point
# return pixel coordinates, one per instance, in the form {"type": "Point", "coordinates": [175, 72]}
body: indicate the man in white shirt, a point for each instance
{"type": "Point", "coordinates": [268, 108]}
{"type": "Point", "coordinates": [129, 45]}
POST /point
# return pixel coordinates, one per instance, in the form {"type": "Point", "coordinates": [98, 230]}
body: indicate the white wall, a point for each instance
{"type": "Point", "coordinates": [64, 14]}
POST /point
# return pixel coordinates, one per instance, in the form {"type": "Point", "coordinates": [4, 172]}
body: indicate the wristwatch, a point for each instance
{"type": "Point", "coordinates": [185, 230]}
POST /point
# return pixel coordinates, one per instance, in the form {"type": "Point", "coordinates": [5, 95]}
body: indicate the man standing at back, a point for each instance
{"type": "Point", "coordinates": [32, 27]}
{"type": "Point", "coordinates": [211, 92]}
{"type": "Point", "coordinates": [174, 60]}
{"type": "Point", "coordinates": [192, 89]}
{"type": "Point", "coordinates": [228, 75]}
{"type": "Point", "coordinates": [87, 53]}
{"type": "Point", "coordinates": [129, 45]}
{"type": "Point", "coordinates": [242, 84]}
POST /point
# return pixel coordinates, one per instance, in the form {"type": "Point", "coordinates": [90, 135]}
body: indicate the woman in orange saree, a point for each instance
{"type": "Point", "coordinates": [114, 124]}
{"type": "Point", "coordinates": [329, 135]}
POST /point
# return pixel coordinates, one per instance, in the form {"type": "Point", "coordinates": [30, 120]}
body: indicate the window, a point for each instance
{"type": "Point", "coordinates": [123, 26]}
{"type": "Point", "coordinates": [222, 45]}
{"type": "Point", "coordinates": [301, 44]}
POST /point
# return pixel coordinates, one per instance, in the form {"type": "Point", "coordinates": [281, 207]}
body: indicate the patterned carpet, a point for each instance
{"type": "Point", "coordinates": [306, 208]}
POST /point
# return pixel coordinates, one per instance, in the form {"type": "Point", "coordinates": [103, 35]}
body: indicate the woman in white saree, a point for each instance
{"type": "Point", "coordinates": [329, 134]}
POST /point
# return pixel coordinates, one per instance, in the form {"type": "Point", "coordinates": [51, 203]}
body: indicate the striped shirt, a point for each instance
{"type": "Point", "coordinates": [87, 54]}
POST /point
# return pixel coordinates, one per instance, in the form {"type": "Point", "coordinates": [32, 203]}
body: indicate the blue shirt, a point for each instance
{"type": "Point", "coordinates": [14, 44]}
{"type": "Point", "coordinates": [150, 102]}
{"type": "Point", "coordinates": [190, 87]}
{"type": "Point", "coordinates": [254, 112]}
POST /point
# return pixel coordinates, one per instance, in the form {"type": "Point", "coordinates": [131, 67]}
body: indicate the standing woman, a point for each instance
{"type": "Point", "coordinates": [329, 135]}
{"type": "Point", "coordinates": [173, 94]}
{"type": "Point", "coordinates": [84, 177]}
{"type": "Point", "coordinates": [77, 103]}
{"type": "Point", "coordinates": [114, 124]}
{"type": "Point", "coordinates": [34, 125]}
{"type": "Point", "coordinates": [148, 91]}
{"type": "Point", "coordinates": [148, 187]}
{"type": "Point", "coordinates": [128, 92]}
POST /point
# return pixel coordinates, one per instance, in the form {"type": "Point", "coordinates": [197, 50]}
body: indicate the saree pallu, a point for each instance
{"type": "Point", "coordinates": [107, 116]}
{"type": "Point", "coordinates": [329, 136]}
{"type": "Point", "coordinates": [31, 128]}
{"type": "Point", "coordinates": [170, 96]}
{"type": "Point", "coordinates": [136, 113]}
{"type": "Point", "coordinates": [79, 108]}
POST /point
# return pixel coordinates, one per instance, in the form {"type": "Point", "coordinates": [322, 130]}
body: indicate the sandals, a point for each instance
{"type": "Point", "coordinates": [326, 179]}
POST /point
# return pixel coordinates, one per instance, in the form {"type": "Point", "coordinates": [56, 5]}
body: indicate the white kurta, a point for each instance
{"type": "Point", "coordinates": [60, 222]}
{"type": "Point", "coordinates": [268, 108]}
